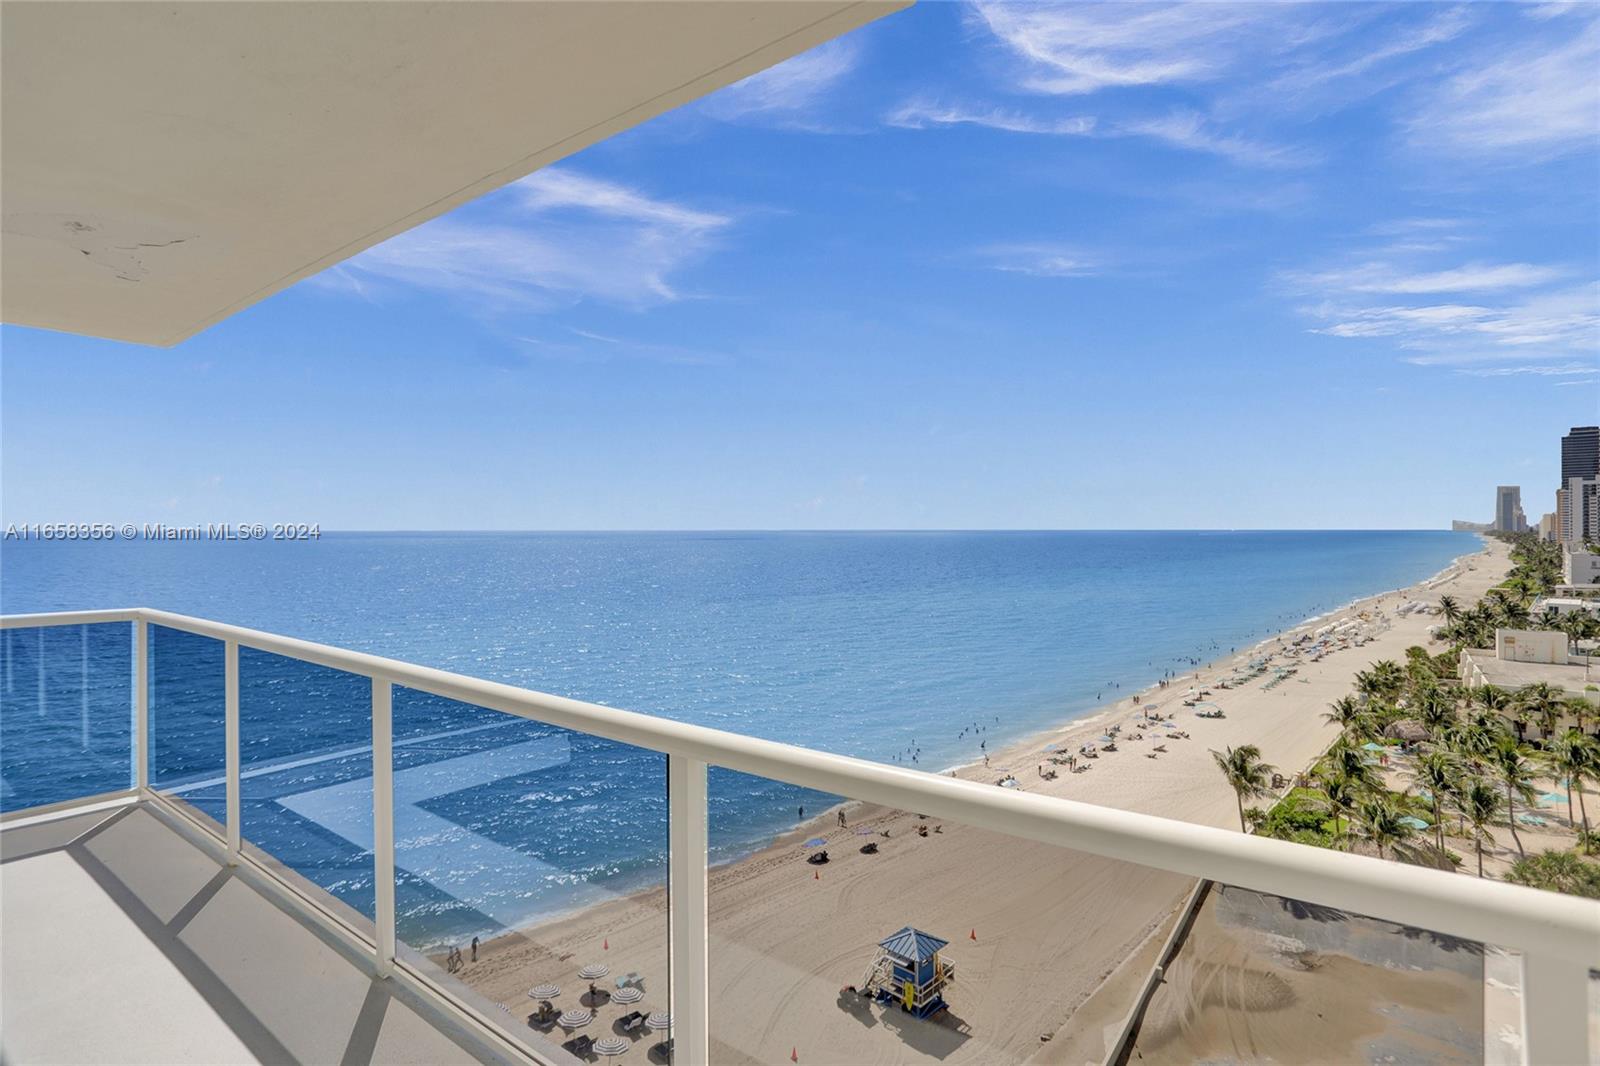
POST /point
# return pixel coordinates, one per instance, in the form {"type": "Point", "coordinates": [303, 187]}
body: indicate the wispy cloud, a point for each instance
{"type": "Point", "coordinates": [1565, 370]}
{"type": "Point", "coordinates": [1527, 102]}
{"type": "Point", "coordinates": [790, 92]}
{"type": "Point", "coordinates": [922, 114]}
{"type": "Point", "coordinates": [1084, 48]}
{"type": "Point", "coordinates": [558, 237]}
{"type": "Point", "coordinates": [1186, 130]}
{"type": "Point", "coordinates": [1529, 318]}
{"type": "Point", "coordinates": [1040, 260]}
{"type": "Point", "coordinates": [1471, 277]}
{"type": "Point", "coordinates": [1190, 130]}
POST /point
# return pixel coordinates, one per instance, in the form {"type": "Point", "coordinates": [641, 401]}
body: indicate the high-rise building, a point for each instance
{"type": "Point", "coordinates": [1548, 527]}
{"type": "Point", "coordinates": [1578, 510]}
{"type": "Point", "coordinates": [1508, 516]}
{"type": "Point", "coordinates": [1580, 453]}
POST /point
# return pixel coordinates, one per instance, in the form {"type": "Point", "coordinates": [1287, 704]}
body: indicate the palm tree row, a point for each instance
{"type": "Point", "coordinates": [1472, 760]}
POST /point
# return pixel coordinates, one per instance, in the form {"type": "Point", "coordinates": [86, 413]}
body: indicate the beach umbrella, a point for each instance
{"type": "Point", "coordinates": [1414, 822]}
{"type": "Point", "coordinates": [658, 1020]}
{"type": "Point", "coordinates": [1049, 747]}
{"type": "Point", "coordinates": [628, 995]}
{"type": "Point", "coordinates": [863, 831]}
{"type": "Point", "coordinates": [816, 842]}
{"type": "Point", "coordinates": [595, 972]}
{"type": "Point", "coordinates": [575, 1018]}
{"type": "Point", "coordinates": [1370, 746]}
{"type": "Point", "coordinates": [611, 1046]}
{"type": "Point", "coordinates": [544, 991]}
{"type": "Point", "coordinates": [1552, 799]}
{"type": "Point", "coordinates": [1107, 738]}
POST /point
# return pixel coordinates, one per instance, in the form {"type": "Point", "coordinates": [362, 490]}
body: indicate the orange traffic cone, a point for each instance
{"type": "Point", "coordinates": [973, 934]}
{"type": "Point", "coordinates": [816, 875]}
{"type": "Point", "coordinates": [794, 1054]}
{"type": "Point", "coordinates": [605, 945]}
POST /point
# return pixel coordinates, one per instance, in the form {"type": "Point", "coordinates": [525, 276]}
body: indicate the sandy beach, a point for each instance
{"type": "Point", "coordinates": [1033, 931]}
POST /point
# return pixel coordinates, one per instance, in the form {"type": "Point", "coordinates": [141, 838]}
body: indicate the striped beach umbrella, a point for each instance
{"type": "Point", "coordinates": [659, 1020]}
{"type": "Point", "coordinates": [628, 995]}
{"type": "Point", "coordinates": [576, 1018]}
{"type": "Point", "coordinates": [595, 972]}
{"type": "Point", "coordinates": [611, 1046]}
{"type": "Point", "coordinates": [544, 991]}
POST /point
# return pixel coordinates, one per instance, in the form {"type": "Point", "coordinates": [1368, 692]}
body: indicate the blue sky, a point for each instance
{"type": "Point", "coordinates": [976, 266]}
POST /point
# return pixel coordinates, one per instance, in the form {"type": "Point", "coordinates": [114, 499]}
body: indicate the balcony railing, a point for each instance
{"type": "Point", "coordinates": [1558, 937]}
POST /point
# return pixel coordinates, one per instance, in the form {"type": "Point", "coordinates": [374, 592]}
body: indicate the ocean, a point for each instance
{"type": "Point", "coordinates": [921, 649]}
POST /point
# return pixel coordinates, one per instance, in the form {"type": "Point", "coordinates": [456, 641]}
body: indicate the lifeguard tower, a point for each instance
{"type": "Point", "coordinates": [909, 971]}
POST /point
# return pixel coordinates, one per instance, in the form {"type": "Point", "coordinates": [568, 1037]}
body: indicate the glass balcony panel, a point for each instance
{"type": "Point", "coordinates": [1293, 981]}
{"type": "Point", "coordinates": [188, 725]}
{"type": "Point", "coordinates": [1013, 937]}
{"type": "Point", "coordinates": [524, 854]}
{"type": "Point", "coordinates": [66, 713]}
{"type": "Point", "coordinates": [305, 775]}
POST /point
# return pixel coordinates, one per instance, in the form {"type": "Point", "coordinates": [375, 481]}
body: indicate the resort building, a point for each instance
{"type": "Point", "coordinates": [1580, 567]}
{"type": "Point", "coordinates": [1523, 657]}
{"type": "Point", "coordinates": [1508, 516]}
{"type": "Point", "coordinates": [1548, 526]}
{"type": "Point", "coordinates": [208, 899]}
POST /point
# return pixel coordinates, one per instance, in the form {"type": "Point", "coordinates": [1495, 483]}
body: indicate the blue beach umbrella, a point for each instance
{"type": "Point", "coordinates": [1552, 799]}
{"type": "Point", "coordinates": [816, 842]}
{"type": "Point", "coordinates": [1413, 822]}
{"type": "Point", "coordinates": [1370, 746]}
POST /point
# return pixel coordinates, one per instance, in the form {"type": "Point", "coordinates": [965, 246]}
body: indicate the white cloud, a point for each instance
{"type": "Point", "coordinates": [1564, 370]}
{"type": "Point", "coordinates": [921, 114]}
{"type": "Point", "coordinates": [1472, 277]}
{"type": "Point", "coordinates": [785, 91]}
{"type": "Point", "coordinates": [1083, 48]}
{"type": "Point", "coordinates": [1537, 100]}
{"type": "Point", "coordinates": [1040, 260]}
{"type": "Point", "coordinates": [1189, 130]}
{"type": "Point", "coordinates": [560, 237]}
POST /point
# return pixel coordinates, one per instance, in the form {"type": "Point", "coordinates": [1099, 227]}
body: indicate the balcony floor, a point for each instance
{"type": "Point", "coordinates": [125, 942]}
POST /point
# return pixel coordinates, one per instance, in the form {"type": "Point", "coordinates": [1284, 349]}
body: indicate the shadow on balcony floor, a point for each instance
{"type": "Point", "coordinates": [125, 942]}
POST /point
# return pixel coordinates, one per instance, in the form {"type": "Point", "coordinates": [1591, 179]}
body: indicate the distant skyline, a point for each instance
{"type": "Point", "coordinates": [977, 266]}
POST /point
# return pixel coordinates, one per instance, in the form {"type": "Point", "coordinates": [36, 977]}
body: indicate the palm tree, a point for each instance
{"type": "Point", "coordinates": [1437, 771]}
{"type": "Point", "coordinates": [1450, 609]}
{"type": "Point", "coordinates": [1347, 760]}
{"type": "Point", "coordinates": [1382, 822]}
{"type": "Point", "coordinates": [1574, 757]}
{"type": "Point", "coordinates": [1516, 771]}
{"type": "Point", "coordinates": [1247, 775]}
{"type": "Point", "coordinates": [1343, 793]}
{"type": "Point", "coordinates": [1435, 710]}
{"type": "Point", "coordinates": [1479, 802]}
{"type": "Point", "coordinates": [1343, 712]}
{"type": "Point", "coordinates": [1544, 703]}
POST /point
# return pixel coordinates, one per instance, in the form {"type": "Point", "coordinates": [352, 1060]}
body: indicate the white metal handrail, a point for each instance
{"type": "Point", "coordinates": [1559, 936]}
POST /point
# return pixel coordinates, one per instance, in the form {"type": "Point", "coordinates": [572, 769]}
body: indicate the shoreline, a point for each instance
{"type": "Point", "coordinates": [786, 936]}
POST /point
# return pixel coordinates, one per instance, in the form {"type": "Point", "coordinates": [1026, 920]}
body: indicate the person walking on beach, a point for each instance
{"type": "Point", "coordinates": [474, 949]}
{"type": "Point", "coordinates": [841, 821]}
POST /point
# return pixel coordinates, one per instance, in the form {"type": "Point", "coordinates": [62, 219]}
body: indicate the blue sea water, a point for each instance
{"type": "Point", "coordinates": [914, 648]}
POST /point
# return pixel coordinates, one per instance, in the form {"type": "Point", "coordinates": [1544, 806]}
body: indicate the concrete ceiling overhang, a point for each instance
{"type": "Point", "coordinates": [165, 165]}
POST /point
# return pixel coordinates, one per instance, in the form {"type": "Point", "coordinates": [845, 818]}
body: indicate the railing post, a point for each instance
{"type": "Point", "coordinates": [230, 718]}
{"type": "Point", "coordinates": [1555, 1010]}
{"type": "Point", "coordinates": [688, 957]}
{"type": "Point", "coordinates": [383, 821]}
{"type": "Point", "coordinates": [141, 705]}
{"type": "Point", "coordinates": [83, 692]}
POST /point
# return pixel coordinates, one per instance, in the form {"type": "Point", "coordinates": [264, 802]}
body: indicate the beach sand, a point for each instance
{"type": "Point", "coordinates": [1050, 926]}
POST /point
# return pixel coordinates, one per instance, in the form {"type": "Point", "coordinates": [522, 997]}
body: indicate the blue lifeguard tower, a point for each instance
{"type": "Point", "coordinates": [908, 971]}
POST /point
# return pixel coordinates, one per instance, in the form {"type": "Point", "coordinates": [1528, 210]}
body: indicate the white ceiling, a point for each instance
{"type": "Point", "coordinates": [164, 165]}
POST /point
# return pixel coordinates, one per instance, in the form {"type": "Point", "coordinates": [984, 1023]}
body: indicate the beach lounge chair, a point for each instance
{"type": "Point", "coordinates": [870, 848]}
{"type": "Point", "coordinates": [630, 1022]}
{"type": "Point", "coordinates": [662, 1052]}
{"type": "Point", "coordinates": [580, 1046]}
{"type": "Point", "coordinates": [631, 980]}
